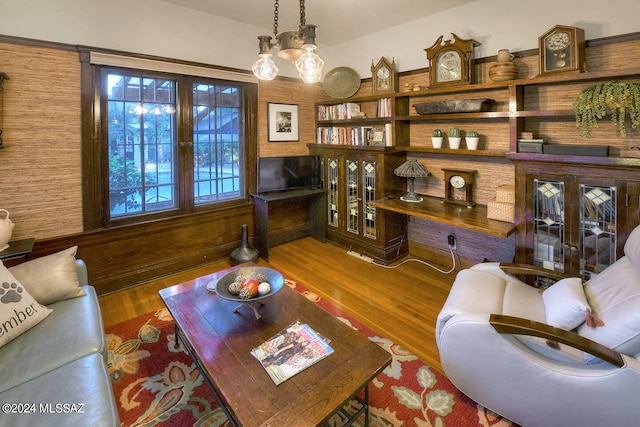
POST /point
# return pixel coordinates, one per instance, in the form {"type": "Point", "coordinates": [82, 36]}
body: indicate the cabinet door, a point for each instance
{"type": "Point", "coordinates": [361, 184]}
{"type": "Point", "coordinates": [352, 187]}
{"type": "Point", "coordinates": [549, 228]}
{"type": "Point", "coordinates": [575, 224]}
{"type": "Point", "coordinates": [332, 172]}
{"type": "Point", "coordinates": [598, 227]}
{"type": "Point", "coordinates": [369, 187]}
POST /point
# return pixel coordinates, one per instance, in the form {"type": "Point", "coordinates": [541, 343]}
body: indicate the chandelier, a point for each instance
{"type": "Point", "coordinates": [297, 46]}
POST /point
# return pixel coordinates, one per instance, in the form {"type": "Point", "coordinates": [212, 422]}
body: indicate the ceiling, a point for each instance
{"type": "Point", "coordinates": [338, 21]}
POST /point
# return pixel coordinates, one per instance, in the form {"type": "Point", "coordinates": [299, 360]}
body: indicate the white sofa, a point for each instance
{"type": "Point", "coordinates": [568, 355]}
{"type": "Point", "coordinates": [53, 373]}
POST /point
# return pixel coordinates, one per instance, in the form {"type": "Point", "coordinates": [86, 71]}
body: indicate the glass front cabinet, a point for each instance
{"type": "Point", "coordinates": [575, 223]}
{"type": "Point", "coordinates": [353, 179]}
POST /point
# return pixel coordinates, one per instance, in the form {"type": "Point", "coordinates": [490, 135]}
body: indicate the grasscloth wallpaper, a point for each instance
{"type": "Point", "coordinates": [40, 178]}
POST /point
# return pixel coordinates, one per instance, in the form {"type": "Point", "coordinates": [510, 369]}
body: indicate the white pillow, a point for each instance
{"type": "Point", "coordinates": [614, 295]}
{"type": "Point", "coordinates": [50, 278]}
{"type": "Point", "coordinates": [565, 303]}
{"type": "Point", "coordinates": [19, 311]}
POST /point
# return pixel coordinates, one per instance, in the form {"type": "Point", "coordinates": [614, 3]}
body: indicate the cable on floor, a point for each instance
{"type": "Point", "coordinates": [453, 267]}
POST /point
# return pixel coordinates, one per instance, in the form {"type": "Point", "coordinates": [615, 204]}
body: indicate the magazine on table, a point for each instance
{"type": "Point", "coordinates": [290, 351]}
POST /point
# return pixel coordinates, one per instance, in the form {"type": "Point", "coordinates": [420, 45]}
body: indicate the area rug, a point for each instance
{"type": "Point", "coordinates": [157, 385]}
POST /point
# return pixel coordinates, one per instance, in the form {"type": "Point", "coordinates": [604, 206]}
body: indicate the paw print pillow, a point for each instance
{"type": "Point", "coordinates": [19, 312]}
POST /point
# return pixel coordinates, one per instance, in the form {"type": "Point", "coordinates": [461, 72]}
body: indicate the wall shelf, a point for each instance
{"type": "Point", "coordinates": [434, 209]}
{"type": "Point", "coordinates": [474, 153]}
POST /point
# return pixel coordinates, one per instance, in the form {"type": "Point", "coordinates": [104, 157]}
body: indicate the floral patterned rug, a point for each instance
{"type": "Point", "coordinates": [157, 385]}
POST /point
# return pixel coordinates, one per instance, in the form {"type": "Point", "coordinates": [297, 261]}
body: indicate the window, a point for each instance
{"type": "Point", "coordinates": [142, 134]}
{"type": "Point", "coordinates": [217, 173]}
{"type": "Point", "coordinates": [169, 143]}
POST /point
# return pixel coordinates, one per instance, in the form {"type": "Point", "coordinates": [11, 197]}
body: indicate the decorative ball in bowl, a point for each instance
{"type": "Point", "coordinates": [249, 284]}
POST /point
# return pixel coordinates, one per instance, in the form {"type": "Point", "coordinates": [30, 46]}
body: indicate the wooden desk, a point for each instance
{"type": "Point", "coordinates": [317, 217]}
{"type": "Point", "coordinates": [434, 209]}
{"type": "Point", "coordinates": [220, 342]}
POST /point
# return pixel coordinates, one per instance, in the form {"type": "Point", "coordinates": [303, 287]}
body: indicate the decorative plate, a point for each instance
{"type": "Point", "coordinates": [341, 82]}
{"type": "Point", "coordinates": [275, 279]}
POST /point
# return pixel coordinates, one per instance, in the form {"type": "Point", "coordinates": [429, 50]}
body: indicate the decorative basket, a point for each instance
{"type": "Point", "coordinates": [506, 194]}
{"type": "Point", "coordinates": [501, 211]}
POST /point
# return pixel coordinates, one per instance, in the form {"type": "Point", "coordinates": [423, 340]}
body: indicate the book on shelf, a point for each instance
{"type": "Point", "coordinates": [347, 135]}
{"type": "Point", "coordinates": [291, 351]}
{"type": "Point", "coordinates": [344, 111]}
{"type": "Point", "coordinates": [383, 107]}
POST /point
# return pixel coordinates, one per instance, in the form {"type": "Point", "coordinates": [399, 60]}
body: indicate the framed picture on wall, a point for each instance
{"type": "Point", "coordinates": [284, 122]}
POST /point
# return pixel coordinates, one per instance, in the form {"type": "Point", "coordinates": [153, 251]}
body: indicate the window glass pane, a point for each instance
{"type": "Point", "coordinates": [141, 135]}
{"type": "Point", "coordinates": [217, 134]}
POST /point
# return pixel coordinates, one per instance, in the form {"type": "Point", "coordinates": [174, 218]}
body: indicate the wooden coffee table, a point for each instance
{"type": "Point", "coordinates": [220, 341]}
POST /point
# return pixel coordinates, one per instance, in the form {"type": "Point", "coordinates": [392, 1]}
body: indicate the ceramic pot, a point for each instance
{"type": "Point", "coordinates": [437, 141]}
{"type": "Point", "coordinates": [454, 142]}
{"type": "Point", "coordinates": [504, 69]}
{"type": "Point", "coordinates": [472, 142]}
{"type": "Point", "coordinates": [244, 253]}
{"type": "Point", "coordinates": [504, 55]}
{"type": "Point", "coordinates": [6, 229]}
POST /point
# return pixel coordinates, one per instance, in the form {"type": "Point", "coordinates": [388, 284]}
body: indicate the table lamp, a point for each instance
{"type": "Point", "coordinates": [411, 169]}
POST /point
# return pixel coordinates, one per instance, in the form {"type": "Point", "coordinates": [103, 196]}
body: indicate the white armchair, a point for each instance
{"type": "Point", "coordinates": [569, 355]}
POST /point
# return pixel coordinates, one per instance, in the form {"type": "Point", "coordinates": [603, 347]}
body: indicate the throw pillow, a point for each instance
{"type": "Point", "coordinates": [565, 304]}
{"type": "Point", "coordinates": [632, 247]}
{"type": "Point", "coordinates": [50, 278]}
{"type": "Point", "coordinates": [614, 295]}
{"type": "Point", "coordinates": [19, 311]}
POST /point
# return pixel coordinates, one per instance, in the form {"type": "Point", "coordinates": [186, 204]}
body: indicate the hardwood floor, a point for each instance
{"type": "Point", "coordinates": [400, 303]}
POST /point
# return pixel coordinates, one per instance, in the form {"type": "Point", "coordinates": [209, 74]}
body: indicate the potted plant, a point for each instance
{"type": "Point", "coordinates": [618, 98]}
{"type": "Point", "coordinates": [437, 138]}
{"type": "Point", "coordinates": [471, 138]}
{"type": "Point", "coordinates": [454, 138]}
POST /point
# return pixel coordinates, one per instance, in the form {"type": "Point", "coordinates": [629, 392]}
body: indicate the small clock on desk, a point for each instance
{"type": "Point", "coordinates": [459, 187]}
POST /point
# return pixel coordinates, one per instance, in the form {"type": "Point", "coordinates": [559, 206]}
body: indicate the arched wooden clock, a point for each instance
{"type": "Point", "coordinates": [561, 50]}
{"type": "Point", "coordinates": [459, 186]}
{"type": "Point", "coordinates": [451, 62]}
{"type": "Point", "coordinates": [384, 76]}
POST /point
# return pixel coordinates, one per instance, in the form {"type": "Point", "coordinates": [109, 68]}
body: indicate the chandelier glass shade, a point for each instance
{"type": "Point", "coordinates": [297, 46]}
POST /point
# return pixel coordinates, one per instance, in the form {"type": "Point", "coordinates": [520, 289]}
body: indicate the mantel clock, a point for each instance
{"type": "Point", "coordinates": [451, 62]}
{"type": "Point", "coordinates": [459, 187]}
{"type": "Point", "coordinates": [561, 50]}
{"type": "Point", "coordinates": [384, 76]}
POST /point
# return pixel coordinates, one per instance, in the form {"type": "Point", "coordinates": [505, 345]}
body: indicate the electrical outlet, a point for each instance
{"type": "Point", "coordinates": [451, 239]}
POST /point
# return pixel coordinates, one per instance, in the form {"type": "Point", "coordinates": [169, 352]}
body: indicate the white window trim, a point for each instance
{"type": "Point", "coordinates": [99, 58]}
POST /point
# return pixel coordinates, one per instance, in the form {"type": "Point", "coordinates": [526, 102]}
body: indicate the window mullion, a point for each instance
{"type": "Point", "coordinates": [186, 143]}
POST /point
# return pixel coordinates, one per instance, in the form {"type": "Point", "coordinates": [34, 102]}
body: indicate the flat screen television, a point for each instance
{"type": "Point", "coordinates": [288, 173]}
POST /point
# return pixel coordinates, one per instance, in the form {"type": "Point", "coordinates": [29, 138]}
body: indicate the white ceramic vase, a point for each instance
{"type": "Point", "coordinates": [472, 142]}
{"type": "Point", "coordinates": [454, 142]}
{"type": "Point", "coordinates": [6, 229]}
{"type": "Point", "coordinates": [437, 141]}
